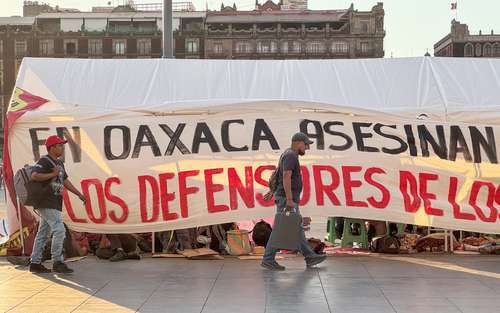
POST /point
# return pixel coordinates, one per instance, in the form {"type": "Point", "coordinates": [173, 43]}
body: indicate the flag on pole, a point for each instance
{"type": "Point", "coordinates": [454, 6]}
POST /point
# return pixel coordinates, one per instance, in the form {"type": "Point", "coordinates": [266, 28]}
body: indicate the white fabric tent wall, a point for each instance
{"type": "Point", "coordinates": [441, 87]}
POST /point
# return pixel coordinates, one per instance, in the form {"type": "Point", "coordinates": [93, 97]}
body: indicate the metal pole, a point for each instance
{"type": "Point", "coordinates": [167, 30]}
{"type": "Point", "coordinates": [21, 230]}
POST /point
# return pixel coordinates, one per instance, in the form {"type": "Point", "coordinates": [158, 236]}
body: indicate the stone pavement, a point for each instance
{"type": "Point", "coordinates": [367, 284]}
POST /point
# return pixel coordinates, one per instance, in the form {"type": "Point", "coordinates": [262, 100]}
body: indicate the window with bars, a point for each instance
{"type": "Point", "coordinates": [70, 47]}
{"type": "Point", "coordinates": [496, 49]}
{"type": "Point", "coordinates": [478, 50]}
{"type": "Point", "coordinates": [487, 51]}
{"type": "Point", "coordinates": [284, 47]}
{"type": "Point", "coordinates": [297, 47]}
{"type": "Point", "coordinates": [365, 47]}
{"type": "Point", "coordinates": [20, 48]}
{"type": "Point", "coordinates": [95, 47]}
{"type": "Point", "coordinates": [218, 48]}
{"type": "Point", "coordinates": [119, 47]}
{"type": "Point", "coordinates": [267, 47]}
{"type": "Point", "coordinates": [243, 47]}
{"type": "Point", "coordinates": [46, 47]}
{"type": "Point", "coordinates": [144, 47]}
{"type": "Point", "coordinates": [315, 47]}
{"type": "Point", "coordinates": [340, 47]}
{"type": "Point", "coordinates": [469, 50]}
{"type": "Point", "coordinates": [192, 46]}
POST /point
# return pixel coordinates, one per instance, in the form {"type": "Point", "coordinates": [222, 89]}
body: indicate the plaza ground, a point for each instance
{"type": "Point", "coordinates": [368, 284]}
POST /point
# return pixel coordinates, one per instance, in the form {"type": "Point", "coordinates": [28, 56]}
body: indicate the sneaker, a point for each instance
{"type": "Point", "coordinates": [272, 265]}
{"type": "Point", "coordinates": [133, 256]}
{"type": "Point", "coordinates": [315, 260]}
{"type": "Point", "coordinates": [39, 269]}
{"type": "Point", "coordinates": [60, 267]}
{"type": "Point", "coordinates": [120, 255]}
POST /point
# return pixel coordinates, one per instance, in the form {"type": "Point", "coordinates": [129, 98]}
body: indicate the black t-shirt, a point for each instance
{"type": "Point", "coordinates": [53, 199]}
{"type": "Point", "coordinates": [289, 162]}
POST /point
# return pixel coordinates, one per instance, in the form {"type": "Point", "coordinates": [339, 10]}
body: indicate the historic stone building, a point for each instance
{"type": "Point", "coordinates": [270, 32]}
{"type": "Point", "coordinates": [461, 43]}
{"type": "Point", "coordinates": [283, 30]}
{"type": "Point", "coordinates": [122, 32]}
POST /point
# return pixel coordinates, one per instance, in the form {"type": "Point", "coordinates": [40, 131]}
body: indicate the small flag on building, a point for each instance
{"type": "Point", "coordinates": [454, 6]}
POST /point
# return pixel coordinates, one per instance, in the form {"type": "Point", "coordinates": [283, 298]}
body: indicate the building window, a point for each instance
{"type": "Point", "coordinates": [95, 47]}
{"type": "Point", "coordinates": [478, 50]}
{"type": "Point", "coordinates": [192, 46]}
{"type": "Point", "coordinates": [315, 47]}
{"type": "Point", "coordinates": [70, 47]}
{"type": "Point", "coordinates": [20, 48]}
{"type": "Point", "coordinates": [119, 47]}
{"type": "Point", "coordinates": [46, 47]}
{"type": "Point", "coordinates": [218, 48]}
{"type": "Point", "coordinates": [144, 47]}
{"type": "Point", "coordinates": [365, 47]}
{"type": "Point", "coordinates": [284, 47]}
{"type": "Point", "coordinates": [243, 47]}
{"type": "Point", "coordinates": [267, 47]}
{"type": "Point", "coordinates": [487, 52]}
{"type": "Point", "coordinates": [496, 49]}
{"type": "Point", "coordinates": [297, 47]}
{"type": "Point", "coordinates": [469, 50]}
{"type": "Point", "coordinates": [340, 47]}
{"type": "Point", "coordinates": [1, 48]}
{"type": "Point", "coordinates": [364, 27]}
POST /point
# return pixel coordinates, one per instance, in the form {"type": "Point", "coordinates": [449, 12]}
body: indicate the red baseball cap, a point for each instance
{"type": "Point", "coordinates": [54, 140]}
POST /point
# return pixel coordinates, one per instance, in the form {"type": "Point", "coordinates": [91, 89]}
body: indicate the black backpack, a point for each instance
{"type": "Point", "coordinates": [261, 233]}
{"type": "Point", "coordinates": [386, 244]}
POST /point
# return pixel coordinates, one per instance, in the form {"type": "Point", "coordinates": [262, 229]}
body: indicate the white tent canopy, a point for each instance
{"type": "Point", "coordinates": [443, 87]}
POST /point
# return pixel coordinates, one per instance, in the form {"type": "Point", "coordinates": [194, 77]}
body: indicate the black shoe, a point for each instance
{"type": "Point", "coordinates": [60, 267]}
{"type": "Point", "coordinates": [272, 265]}
{"type": "Point", "coordinates": [120, 255]}
{"type": "Point", "coordinates": [133, 256]}
{"type": "Point", "coordinates": [315, 260]}
{"type": "Point", "coordinates": [39, 269]}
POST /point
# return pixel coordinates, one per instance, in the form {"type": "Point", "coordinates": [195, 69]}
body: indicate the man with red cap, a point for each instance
{"type": "Point", "coordinates": [50, 170]}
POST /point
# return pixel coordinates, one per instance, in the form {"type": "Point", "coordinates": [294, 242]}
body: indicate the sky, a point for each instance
{"type": "Point", "coordinates": [412, 26]}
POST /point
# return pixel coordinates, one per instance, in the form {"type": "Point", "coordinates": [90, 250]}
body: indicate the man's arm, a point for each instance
{"type": "Point", "coordinates": [68, 185]}
{"type": "Point", "coordinates": [45, 176]}
{"type": "Point", "coordinates": [287, 185]}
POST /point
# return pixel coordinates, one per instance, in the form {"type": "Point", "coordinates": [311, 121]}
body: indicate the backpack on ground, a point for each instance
{"type": "Point", "coordinates": [386, 244]}
{"type": "Point", "coordinates": [261, 233]}
{"type": "Point", "coordinates": [316, 245]}
{"type": "Point", "coordinates": [238, 242]}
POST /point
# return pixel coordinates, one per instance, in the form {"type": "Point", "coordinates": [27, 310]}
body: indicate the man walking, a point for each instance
{"type": "Point", "coordinates": [49, 170]}
{"type": "Point", "coordinates": [287, 195]}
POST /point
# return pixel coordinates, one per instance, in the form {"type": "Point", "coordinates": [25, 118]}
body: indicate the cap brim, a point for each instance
{"type": "Point", "coordinates": [309, 142]}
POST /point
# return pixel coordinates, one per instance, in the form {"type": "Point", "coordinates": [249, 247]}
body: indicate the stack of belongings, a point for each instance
{"type": "Point", "coordinates": [482, 244]}
{"type": "Point", "coordinates": [434, 243]}
{"type": "Point", "coordinates": [408, 243]}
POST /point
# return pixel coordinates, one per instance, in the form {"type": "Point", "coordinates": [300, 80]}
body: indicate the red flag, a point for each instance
{"type": "Point", "coordinates": [22, 102]}
{"type": "Point", "coordinates": [454, 6]}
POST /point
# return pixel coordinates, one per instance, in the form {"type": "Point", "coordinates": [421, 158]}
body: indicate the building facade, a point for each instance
{"type": "Point", "coordinates": [120, 33]}
{"type": "Point", "coordinates": [270, 32]}
{"type": "Point", "coordinates": [461, 43]}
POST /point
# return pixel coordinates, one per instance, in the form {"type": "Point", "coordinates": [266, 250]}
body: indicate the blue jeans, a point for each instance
{"type": "Point", "coordinates": [50, 222]}
{"type": "Point", "coordinates": [304, 248]}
